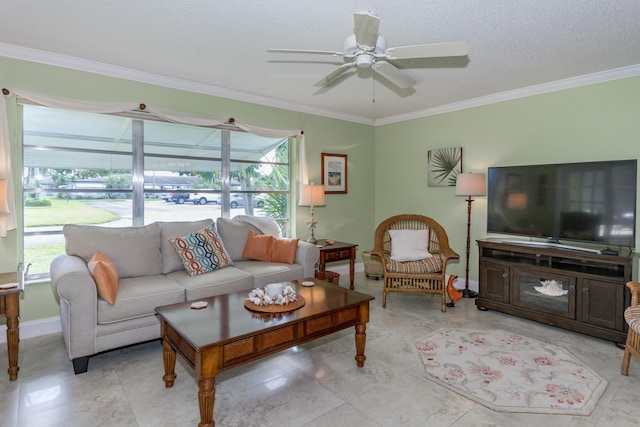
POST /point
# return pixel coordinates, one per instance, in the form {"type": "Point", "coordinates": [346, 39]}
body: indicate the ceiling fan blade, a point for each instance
{"type": "Point", "coordinates": [315, 52]}
{"type": "Point", "coordinates": [428, 50]}
{"type": "Point", "coordinates": [366, 29]}
{"type": "Point", "coordinates": [334, 74]}
{"type": "Point", "coordinates": [391, 73]}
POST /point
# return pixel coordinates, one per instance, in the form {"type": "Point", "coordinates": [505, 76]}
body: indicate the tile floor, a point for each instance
{"type": "Point", "coordinates": [317, 384]}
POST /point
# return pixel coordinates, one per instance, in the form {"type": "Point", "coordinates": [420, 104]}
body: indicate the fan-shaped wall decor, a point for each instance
{"type": "Point", "coordinates": [444, 166]}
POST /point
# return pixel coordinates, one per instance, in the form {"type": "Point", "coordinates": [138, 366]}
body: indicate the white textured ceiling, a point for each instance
{"type": "Point", "coordinates": [220, 47]}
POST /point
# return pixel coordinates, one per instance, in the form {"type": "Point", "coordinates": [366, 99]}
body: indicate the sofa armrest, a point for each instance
{"type": "Point", "coordinates": [307, 255]}
{"type": "Point", "coordinates": [73, 285]}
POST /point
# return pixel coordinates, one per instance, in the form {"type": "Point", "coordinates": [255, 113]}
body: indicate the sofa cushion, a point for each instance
{"type": "Point", "coordinates": [234, 235]}
{"type": "Point", "coordinates": [270, 272]}
{"type": "Point", "coordinates": [170, 259]}
{"type": "Point", "coordinates": [283, 250]}
{"type": "Point", "coordinates": [258, 246]}
{"type": "Point", "coordinates": [105, 274]}
{"type": "Point", "coordinates": [202, 251]}
{"type": "Point", "coordinates": [135, 251]}
{"type": "Point", "coordinates": [139, 296]}
{"type": "Point", "coordinates": [217, 282]}
{"type": "Point", "coordinates": [264, 224]}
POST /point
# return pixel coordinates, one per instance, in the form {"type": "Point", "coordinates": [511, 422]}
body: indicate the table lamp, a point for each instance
{"type": "Point", "coordinates": [312, 195]}
{"type": "Point", "coordinates": [469, 184]}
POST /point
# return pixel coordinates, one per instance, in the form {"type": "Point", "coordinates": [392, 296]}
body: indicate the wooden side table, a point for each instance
{"type": "Point", "coordinates": [338, 251]}
{"type": "Point", "coordinates": [10, 307]}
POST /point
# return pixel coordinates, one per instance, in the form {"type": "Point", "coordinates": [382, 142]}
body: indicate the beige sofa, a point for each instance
{"type": "Point", "coordinates": [151, 274]}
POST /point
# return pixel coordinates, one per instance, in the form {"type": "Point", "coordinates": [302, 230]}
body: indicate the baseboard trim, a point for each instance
{"type": "Point", "coordinates": [34, 328]}
{"type": "Point", "coordinates": [51, 325]}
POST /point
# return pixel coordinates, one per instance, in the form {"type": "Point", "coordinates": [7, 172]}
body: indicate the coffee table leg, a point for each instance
{"type": "Point", "coordinates": [169, 358]}
{"type": "Point", "coordinates": [206, 399]}
{"type": "Point", "coordinates": [361, 337]}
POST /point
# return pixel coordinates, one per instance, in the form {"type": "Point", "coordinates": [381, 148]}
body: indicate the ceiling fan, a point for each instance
{"type": "Point", "coordinates": [366, 48]}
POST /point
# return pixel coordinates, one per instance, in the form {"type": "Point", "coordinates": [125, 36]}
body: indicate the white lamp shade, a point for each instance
{"type": "Point", "coordinates": [4, 206]}
{"type": "Point", "coordinates": [311, 195]}
{"type": "Point", "coordinates": [470, 184]}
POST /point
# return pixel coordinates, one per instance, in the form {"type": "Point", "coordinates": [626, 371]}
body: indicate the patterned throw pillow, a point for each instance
{"type": "Point", "coordinates": [423, 266]}
{"type": "Point", "coordinates": [202, 251]}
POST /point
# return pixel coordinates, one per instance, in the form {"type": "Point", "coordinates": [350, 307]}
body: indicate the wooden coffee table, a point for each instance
{"type": "Point", "coordinates": [225, 334]}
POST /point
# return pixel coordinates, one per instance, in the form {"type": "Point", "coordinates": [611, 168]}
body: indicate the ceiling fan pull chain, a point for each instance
{"type": "Point", "coordinates": [373, 85]}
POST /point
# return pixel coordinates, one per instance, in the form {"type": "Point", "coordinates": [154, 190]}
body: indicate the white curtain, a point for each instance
{"type": "Point", "coordinates": [7, 222]}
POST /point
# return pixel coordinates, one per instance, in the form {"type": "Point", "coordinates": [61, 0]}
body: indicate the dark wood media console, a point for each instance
{"type": "Point", "coordinates": [595, 297]}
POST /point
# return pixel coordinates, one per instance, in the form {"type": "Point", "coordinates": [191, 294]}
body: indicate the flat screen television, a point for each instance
{"type": "Point", "coordinates": [592, 202]}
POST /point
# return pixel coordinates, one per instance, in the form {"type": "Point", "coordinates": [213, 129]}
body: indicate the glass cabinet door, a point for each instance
{"type": "Point", "coordinates": [544, 292]}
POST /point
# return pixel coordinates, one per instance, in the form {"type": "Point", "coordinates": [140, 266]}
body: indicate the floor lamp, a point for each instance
{"type": "Point", "coordinates": [312, 195]}
{"type": "Point", "coordinates": [469, 184]}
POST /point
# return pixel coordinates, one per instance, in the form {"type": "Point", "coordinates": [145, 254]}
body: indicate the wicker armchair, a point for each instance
{"type": "Point", "coordinates": [417, 281]}
{"type": "Point", "coordinates": [632, 317]}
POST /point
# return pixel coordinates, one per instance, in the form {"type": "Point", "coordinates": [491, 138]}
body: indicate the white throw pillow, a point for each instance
{"type": "Point", "coordinates": [409, 245]}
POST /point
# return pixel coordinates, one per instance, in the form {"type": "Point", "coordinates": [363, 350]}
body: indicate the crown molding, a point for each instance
{"type": "Point", "coordinates": [101, 68]}
{"type": "Point", "coordinates": [71, 62]}
{"type": "Point", "coordinates": [569, 83]}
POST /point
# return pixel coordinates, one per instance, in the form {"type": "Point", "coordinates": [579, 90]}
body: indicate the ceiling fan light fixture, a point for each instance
{"type": "Point", "coordinates": [366, 48]}
{"type": "Point", "coordinates": [364, 60]}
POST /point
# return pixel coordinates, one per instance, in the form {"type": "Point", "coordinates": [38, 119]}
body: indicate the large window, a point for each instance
{"type": "Point", "coordinates": [115, 170]}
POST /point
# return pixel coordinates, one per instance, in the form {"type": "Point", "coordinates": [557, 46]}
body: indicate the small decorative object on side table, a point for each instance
{"type": "Point", "coordinates": [11, 285]}
{"type": "Point", "coordinates": [337, 251]}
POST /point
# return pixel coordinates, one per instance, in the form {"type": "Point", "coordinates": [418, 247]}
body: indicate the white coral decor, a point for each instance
{"type": "Point", "coordinates": [259, 296]}
{"type": "Point", "coordinates": [551, 287]}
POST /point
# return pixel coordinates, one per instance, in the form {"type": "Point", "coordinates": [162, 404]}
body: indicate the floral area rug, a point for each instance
{"type": "Point", "coordinates": [508, 372]}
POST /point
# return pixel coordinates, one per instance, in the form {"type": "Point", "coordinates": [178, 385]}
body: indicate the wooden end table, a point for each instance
{"type": "Point", "coordinates": [338, 251]}
{"type": "Point", "coordinates": [225, 334]}
{"type": "Point", "coordinates": [10, 308]}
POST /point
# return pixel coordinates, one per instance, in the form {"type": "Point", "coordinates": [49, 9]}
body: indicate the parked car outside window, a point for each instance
{"type": "Point", "coordinates": [200, 198]}
{"type": "Point", "coordinates": [237, 200]}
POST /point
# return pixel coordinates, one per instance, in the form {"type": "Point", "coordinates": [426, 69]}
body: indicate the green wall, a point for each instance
{"type": "Point", "coordinates": [387, 165]}
{"type": "Point", "coordinates": [345, 217]}
{"type": "Point", "coordinates": [597, 122]}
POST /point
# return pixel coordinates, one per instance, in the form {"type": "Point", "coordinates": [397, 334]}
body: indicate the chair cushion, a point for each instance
{"type": "Point", "coordinates": [632, 316]}
{"type": "Point", "coordinates": [423, 266]}
{"type": "Point", "coordinates": [202, 251]}
{"type": "Point", "coordinates": [409, 245]}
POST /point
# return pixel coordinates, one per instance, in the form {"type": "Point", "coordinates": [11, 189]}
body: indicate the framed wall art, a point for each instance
{"type": "Point", "coordinates": [444, 165]}
{"type": "Point", "coordinates": [334, 173]}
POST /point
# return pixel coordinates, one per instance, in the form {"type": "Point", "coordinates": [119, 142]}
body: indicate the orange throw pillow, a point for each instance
{"type": "Point", "coordinates": [258, 246]}
{"type": "Point", "coordinates": [284, 250]}
{"type": "Point", "coordinates": [105, 275]}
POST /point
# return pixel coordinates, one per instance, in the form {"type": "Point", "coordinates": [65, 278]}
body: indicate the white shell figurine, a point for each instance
{"type": "Point", "coordinates": [259, 296]}
{"type": "Point", "coordinates": [551, 288]}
